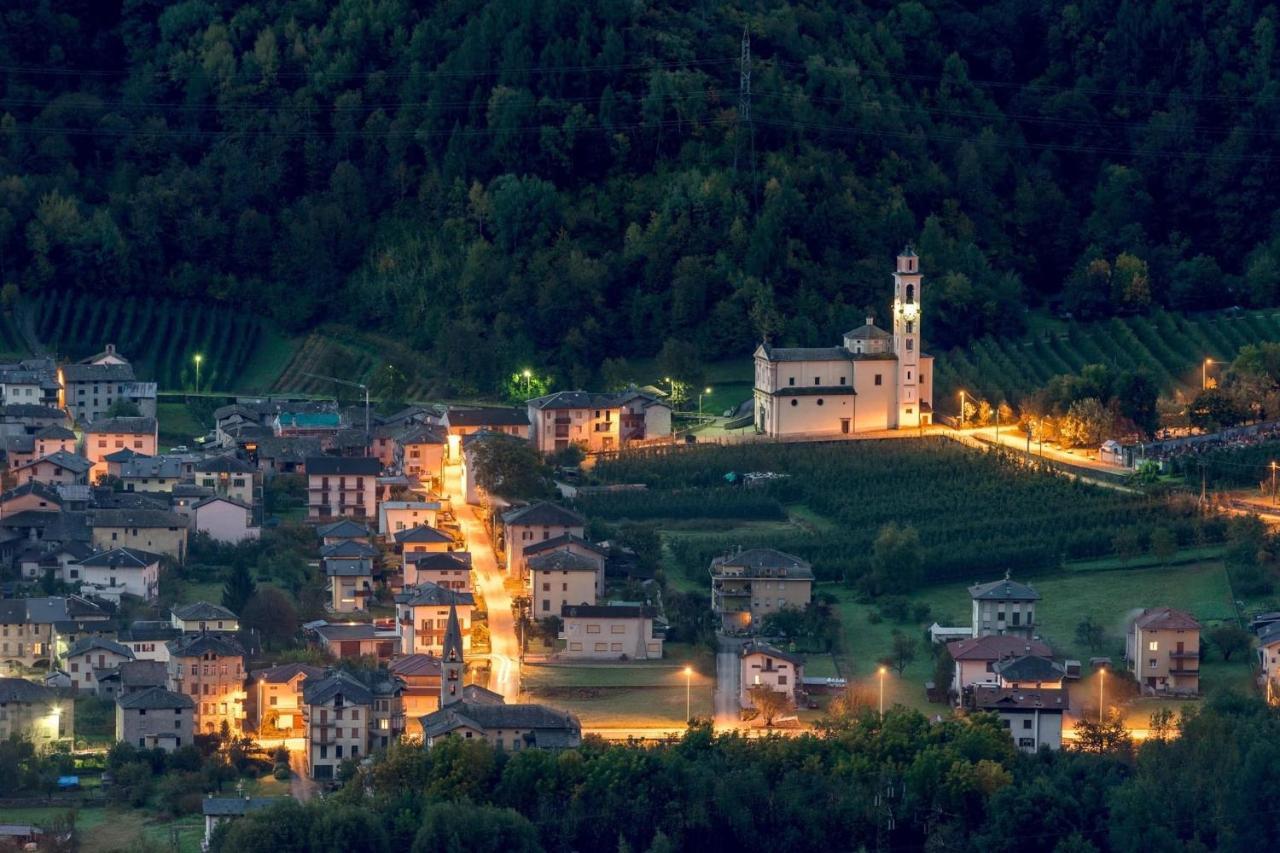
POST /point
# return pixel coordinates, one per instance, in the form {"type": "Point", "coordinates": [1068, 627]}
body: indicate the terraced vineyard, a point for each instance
{"type": "Point", "coordinates": [160, 336]}
{"type": "Point", "coordinates": [350, 356]}
{"type": "Point", "coordinates": [1170, 346]}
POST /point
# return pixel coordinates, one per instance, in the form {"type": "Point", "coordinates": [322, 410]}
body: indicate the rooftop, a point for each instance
{"type": "Point", "coordinates": [430, 594]}
{"type": "Point", "coordinates": [356, 466]}
{"type": "Point", "coordinates": [543, 514]}
{"type": "Point", "coordinates": [1166, 619]}
{"type": "Point", "coordinates": [126, 426]}
{"type": "Point", "coordinates": [487, 417]}
{"type": "Point", "coordinates": [203, 611]}
{"type": "Point", "coordinates": [995, 647]}
{"type": "Point", "coordinates": [563, 561]}
{"type": "Point", "coordinates": [1003, 590]}
{"type": "Point", "coordinates": [1017, 699]}
{"type": "Point", "coordinates": [764, 560]}
{"type": "Point", "coordinates": [154, 698]}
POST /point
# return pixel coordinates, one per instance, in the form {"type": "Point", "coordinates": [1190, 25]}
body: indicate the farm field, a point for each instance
{"type": "Point", "coordinates": [1171, 346]}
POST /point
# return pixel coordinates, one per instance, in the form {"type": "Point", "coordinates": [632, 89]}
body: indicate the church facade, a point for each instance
{"type": "Point", "coordinates": [875, 380]}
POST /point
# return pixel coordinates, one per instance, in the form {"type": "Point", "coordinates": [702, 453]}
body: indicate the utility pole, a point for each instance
{"type": "Point", "coordinates": [363, 387]}
{"type": "Point", "coordinates": [744, 95]}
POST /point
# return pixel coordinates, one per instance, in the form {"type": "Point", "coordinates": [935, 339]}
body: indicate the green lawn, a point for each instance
{"type": "Point", "coordinates": [178, 425]}
{"type": "Point", "coordinates": [110, 830]}
{"type": "Point", "coordinates": [640, 694]}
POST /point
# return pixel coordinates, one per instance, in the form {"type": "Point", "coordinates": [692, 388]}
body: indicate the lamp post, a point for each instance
{"type": "Point", "coordinates": [882, 674]}
{"type": "Point", "coordinates": [704, 391]}
{"type": "Point", "coordinates": [199, 358]}
{"type": "Point", "coordinates": [1102, 683]}
{"type": "Point", "coordinates": [688, 706]}
{"type": "Point", "coordinates": [1204, 374]}
{"type": "Point", "coordinates": [528, 380]}
{"type": "Point", "coordinates": [962, 398]}
{"type": "Point", "coordinates": [1273, 482]}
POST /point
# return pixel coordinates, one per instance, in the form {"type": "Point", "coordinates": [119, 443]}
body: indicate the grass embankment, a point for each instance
{"type": "Point", "coordinates": [110, 830]}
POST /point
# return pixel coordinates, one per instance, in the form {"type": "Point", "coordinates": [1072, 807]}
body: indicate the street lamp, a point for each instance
{"type": "Point", "coordinates": [1273, 482]}
{"type": "Point", "coordinates": [1204, 374]}
{"type": "Point", "coordinates": [199, 358]}
{"type": "Point", "coordinates": [688, 707]}
{"type": "Point", "coordinates": [704, 391]}
{"type": "Point", "coordinates": [1102, 683]}
{"type": "Point", "coordinates": [962, 408]}
{"type": "Point", "coordinates": [528, 379]}
{"type": "Point", "coordinates": [882, 674]}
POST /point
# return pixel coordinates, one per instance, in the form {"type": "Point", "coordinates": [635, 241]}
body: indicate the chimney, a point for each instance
{"type": "Point", "coordinates": [871, 320]}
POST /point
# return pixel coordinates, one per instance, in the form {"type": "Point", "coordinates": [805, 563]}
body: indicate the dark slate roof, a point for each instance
{"type": "Point", "coordinates": [237, 806]}
{"type": "Point", "coordinates": [71, 461]}
{"type": "Point", "coordinates": [423, 533]}
{"type": "Point", "coordinates": [90, 644]}
{"type": "Point", "coordinates": [1269, 633]}
{"type": "Point", "coordinates": [415, 665]}
{"type": "Point", "coordinates": [440, 560]}
{"type": "Point", "coordinates": [543, 514]}
{"type": "Point", "coordinates": [987, 698]}
{"type": "Point", "coordinates": [482, 695]}
{"type": "Point", "coordinates": [33, 487]}
{"type": "Point", "coordinates": [868, 331]}
{"type": "Point", "coordinates": [18, 443]}
{"type": "Point", "coordinates": [212, 499]}
{"type": "Point", "coordinates": [757, 647]}
{"type": "Point", "coordinates": [766, 559]}
{"type": "Point", "coordinates": [286, 672]}
{"type": "Point", "coordinates": [203, 611]}
{"type": "Point", "coordinates": [131, 426]}
{"type": "Point", "coordinates": [485, 717]}
{"type": "Point", "coordinates": [143, 673]}
{"type": "Point", "coordinates": [224, 465]}
{"type": "Point", "coordinates": [344, 529]}
{"type": "Point", "coordinates": [125, 454]}
{"type": "Point", "coordinates": [56, 431]}
{"type": "Point", "coordinates": [577, 400]}
{"type": "Point", "coordinates": [996, 647]}
{"type": "Point", "coordinates": [97, 373]}
{"type": "Point", "coordinates": [428, 593]}
{"type": "Point", "coordinates": [358, 631]}
{"type": "Point", "coordinates": [487, 417]}
{"type": "Point", "coordinates": [559, 542]}
{"type": "Point", "coordinates": [347, 568]}
{"type": "Point", "coordinates": [49, 610]}
{"type": "Point", "coordinates": [138, 518]}
{"type": "Point", "coordinates": [22, 691]}
{"type": "Point", "coordinates": [288, 448]}
{"type": "Point", "coordinates": [1166, 619]}
{"type": "Point", "coordinates": [27, 410]}
{"type": "Point", "coordinates": [422, 434]}
{"type": "Point", "coordinates": [149, 630]}
{"type": "Point", "coordinates": [1003, 590]}
{"type": "Point", "coordinates": [128, 558]}
{"type": "Point", "coordinates": [1029, 668]}
{"type": "Point", "coordinates": [154, 698]}
{"type": "Point", "coordinates": [563, 561]}
{"type": "Point", "coordinates": [348, 549]}
{"type": "Point", "coordinates": [320, 691]}
{"type": "Point", "coordinates": [806, 353]}
{"type": "Point", "coordinates": [606, 611]}
{"type": "Point", "coordinates": [192, 645]}
{"type": "Point", "coordinates": [355, 466]}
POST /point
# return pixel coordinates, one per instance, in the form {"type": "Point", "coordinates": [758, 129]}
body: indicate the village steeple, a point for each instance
{"type": "Point", "coordinates": [451, 664]}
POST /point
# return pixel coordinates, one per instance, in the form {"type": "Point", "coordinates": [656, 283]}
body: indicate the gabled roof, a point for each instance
{"type": "Point", "coordinates": [1166, 619]}
{"type": "Point", "coordinates": [766, 559]}
{"type": "Point", "coordinates": [344, 528]}
{"type": "Point", "coordinates": [154, 698]}
{"type": "Point", "coordinates": [1269, 633]}
{"type": "Point", "coordinates": [236, 806]}
{"type": "Point", "coordinates": [757, 647]}
{"type": "Point", "coordinates": [430, 594]}
{"type": "Point", "coordinates": [91, 644]}
{"type": "Point", "coordinates": [487, 417]}
{"type": "Point", "coordinates": [49, 610]}
{"type": "Point", "coordinates": [316, 420]}
{"type": "Point", "coordinates": [606, 611]}
{"type": "Point", "coordinates": [56, 432]}
{"type": "Point", "coordinates": [72, 462]}
{"type": "Point", "coordinates": [23, 692]}
{"type": "Point", "coordinates": [1029, 668]}
{"type": "Point", "coordinates": [987, 698]}
{"type": "Point", "coordinates": [97, 373]}
{"type": "Point", "coordinates": [348, 549]}
{"type": "Point", "coordinates": [415, 665]}
{"type": "Point", "coordinates": [126, 426]}
{"type": "Point", "coordinates": [358, 631]}
{"type": "Point", "coordinates": [543, 514]}
{"type": "Point", "coordinates": [193, 645]}
{"type": "Point", "coordinates": [578, 400]}
{"type": "Point", "coordinates": [439, 560]}
{"type": "Point", "coordinates": [288, 448]}
{"type": "Point", "coordinates": [423, 533]}
{"type": "Point", "coordinates": [355, 466]}
{"type": "Point", "coordinates": [348, 568]}
{"type": "Point", "coordinates": [151, 466]}
{"type": "Point", "coordinates": [138, 518]}
{"type": "Point", "coordinates": [559, 542]}
{"type": "Point", "coordinates": [124, 454]}
{"type": "Point", "coordinates": [484, 716]}
{"type": "Point", "coordinates": [563, 561]}
{"type": "Point", "coordinates": [149, 630]}
{"type": "Point", "coordinates": [805, 353]}
{"type": "Point", "coordinates": [213, 499]}
{"type": "Point", "coordinates": [27, 410]}
{"type": "Point", "coordinates": [33, 487]}
{"type": "Point", "coordinates": [203, 611]}
{"type": "Point", "coordinates": [227, 464]}
{"type": "Point", "coordinates": [322, 690]}
{"type": "Point", "coordinates": [287, 672]}
{"type": "Point", "coordinates": [143, 673]}
{"type": "Point", "coordinates": [422, 434]}
{"type": "Point", "coordinates": [1003, 590]}
{"type": "Point", "coordinates": [995, 647]}
{"type": "Point", "coordinates": [121, 558]}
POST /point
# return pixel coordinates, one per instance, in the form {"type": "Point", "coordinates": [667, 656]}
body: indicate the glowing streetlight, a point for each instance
{"type": "Point", "coordinates": [528, 379]}
{"type": "Point", "coordinates": [1204, 374]}
{"type": "Point", "coordinates": [704, 391]}
{"type": "Point", "coordinates": [1273, 481]}
{"type": "Point", "coordinates": [962, 398]}
{"type": "Point", "coordinates": [882, 674]}
{"type": "Point", "coordinates": [688, 706]}
{"type": "Point", "coordinates": [1102, 683]}
{"type": "Point", "coordinates": [199, 358]}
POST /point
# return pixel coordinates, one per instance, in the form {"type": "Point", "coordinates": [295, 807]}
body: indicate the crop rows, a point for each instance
{"type": "Point", "coordinates": [161, 337]}
{"type": "Point", "coordinates": [1170, 346]}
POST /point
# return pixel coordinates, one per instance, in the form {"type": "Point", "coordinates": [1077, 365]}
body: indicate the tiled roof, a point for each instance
{"type": "Point", "coordinates": [97, 373]}
{"type": "Point", "coordinates": [224, 465]}
{"type": "Point", "coordinates": [193, 645]}
{"type": "Point", "coordinates": [128, 558]}
{"type": "Point", "coordinates": [756, 647]}
{"type": "Point", "coordinates": [806, 353]}
{"type": "Point", "coordinates": [286, 672]}
{"type": "Point", "coordinates": [487, 417]}
{"type": "Point", "coordinates": [203, 611]}
{"type": "Point", "coordinates": [987, 698]}
{"type": "Point", "coordinates": [428, 594]}
{"type": "Point", "coordinates": [1166, 619]}
{"type": "Point", "coordinates": [1029, 668]}
{"type": "Point", "coordinates": [154, 698]}
{"type": "Point", "coordinates": [345, 529]}
{"type": "Point", "coordinates": [138, 518]}
{"type": "Point", "coordinates": [563, 561]}
{"type": "Point", "coordinates": [90, 644]}
{"type": "Point", "coordinates": [128, 426]}
{"type": "Point", "coordinates": [559, 542]}
{"type": "Point", "coordinates": [423, 533]}
{"type": "Point", "coordinates": [322, 690]}
{"type": "Point", "coordinates": [24, 692]}
{"type": "Point", "coordinates": [766, 559]}
{"type": "Point", "coordinates": [996, 647]}
{"type": "Point", "coordinates": [543, 514]}
{"type": "Point", "coordinates": [355, 466]}
{"type": "Point", "coordinates": [485, 717]}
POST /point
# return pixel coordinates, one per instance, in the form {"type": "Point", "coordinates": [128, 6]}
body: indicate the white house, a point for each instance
{"type": "Point", "coordinates": [224, 519]}
{"type": "Point", "coordinates": [764, 666]}
{"type": "Point", "coordinates": [120, 570]}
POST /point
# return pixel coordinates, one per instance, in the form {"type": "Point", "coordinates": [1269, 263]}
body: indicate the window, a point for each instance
{"type": "Point", "coordinates": [844, 380]}
{"type": "Point", "coordinates": [911, 293]}
{"type": "Point", "coordinates": [617, 629]}
{"type": "Point", "coordinates": [593, 629]}
{"type": "Point", "coordinates": [782, 680]}
{"type": "Point", "coordinates": [795, 402]}
{"type": "Point", "coordinates": [1153, 646]}
{"type": "Point", "coordinates": [1026, 724]}
{"type": "Point", "coordinates": [1151, 663]}
{"type": "Point", "coordinates": [817, 380]}
{"type": "Point", "coordinates": [879, 379]}
{"type": "Point", "coordinates": [546, 605]}
{"type": "Point", "coordinates": [819, 401]}
{"type": "Point", "coordinates": [911, 344]}
{"type": "Point", "coordinates": [910, 326]}
{"type": "Point", "coordinates": [615, 647]}
{"type": "Point", "coordinates": [791, 381]}
{"type": "Point", "coordinates": [602, 647]}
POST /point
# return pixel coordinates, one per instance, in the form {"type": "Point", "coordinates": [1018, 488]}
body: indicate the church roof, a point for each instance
{"type": "Point", "coordinates": [867, 331]}
{"type": "Point", "coordinates": [806, 353]}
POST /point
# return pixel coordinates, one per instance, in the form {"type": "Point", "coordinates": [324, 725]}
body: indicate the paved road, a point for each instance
{"type": "Point", "coordinates": [725, 699]}
{"type": "Point", "coordinates": [505, 655]}
{"type": "Point", "coordinates": [301, 786]}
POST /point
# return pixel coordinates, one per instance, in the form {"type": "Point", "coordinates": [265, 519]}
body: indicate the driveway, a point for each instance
{"type": "Point", "coordinates": [727, 675]}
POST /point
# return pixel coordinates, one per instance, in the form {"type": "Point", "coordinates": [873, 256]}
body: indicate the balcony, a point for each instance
{"type": "Point", "coordinates": [1182, 670]}
{"type": "Point", "coordinates": [1185, 655]}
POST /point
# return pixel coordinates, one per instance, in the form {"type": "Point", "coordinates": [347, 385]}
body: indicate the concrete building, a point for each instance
{"type": "Point", "coordinates": [749, 585]}
{"type": "Point", "coordinates": [342, 486]}
{"type": "Point", "coordinates": [35, 713]}
{"type": "Point", "coordinates": [57, 469]}
{"type": "Point", "coordinates": [92, 657]}
{"type": "Point", "coordinates": [210, 669]}
{"type": "Point", "coordinates": [350, 583]}
{"type": "Point", "coordinates": [976, 658]}
{"type": "Point", "coordinates": [420, 676]}
{"type": "Point", "coordinates": [1163, 651]}
{"type": "Point", "coordinates": [201, 617]}
{"type": "Point", "coordinates": [526, 525]}
{"type": "Point", "coordinates": [422, 449]}
{"type": "Point", "coordinates": [611, 632]}
{"type": "Point", "coordinates": [105, 436]}
{"type": "Point", "coordinates": [450, 570]}
{"type": "Point", "coordinates": [224, 520]}
{"type": "Point", "coordinates": [108, 574]}
{"type": "Point", "coordinates": [458, 423]}
{"type": "Point", "coordinates": [761, 665]}
{"type": "Point", "coordinates": [422, 614]}
{"type": "Point", "coordinates": [89, 390]}
{"type": "Point", "coordinates": [874, 380]}
{"type": "Point", "coordinates": [38, 631]}
{"type": "Point", "coordinates": [596, 422]}
{"type": "Point", "coordinates": [229, 477]}
{"type": "Point", "coordinates": [1004, 607]}
{"type": "Point", "coordinates": [276, 709]}
{"type": "Point", "coordinates": [397, 516]}
{"type": "Point", "coordinates": [563, 577]}
{"type": "Point", "coordinates": [1033, 717]}
{"type": "Point", "coordinates": [157, 531]}
{"type": "Point", "coordinates": [155, 718]}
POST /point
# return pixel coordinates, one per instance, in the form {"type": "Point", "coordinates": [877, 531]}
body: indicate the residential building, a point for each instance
{"type": "Point", "coordinates": [423, 540]}
{"type": "Point", "coordinates": [38, 631]}
{"type": "Point", "coordinates": [108, 574]}
{"type": "Point", "coordinates": [286, 455]}
{"type": "Point", "coordinates": [761, 665]}
{"type": "Point", "coordinates": [131, 676]}
{"type": "Point", "coordinates": [563, 577]}
{"type": "Point", "coordinates": [341, 530]}
{"type": "Point", "coordinates": [449, 570]}
{"type": "Point", "coordinates": [611, 632]}
{"type": "Point", "coordinates": [396, 516]}
{"type": "Point", "coordinates": [155, 718]}
{"type": "Point", "coordinates": [201, 617]}
{"type": "Point", "coordinates": [156, 530]}
{"type": "Point", "coordinates": [92, 657]}
{"type": "Point", "coordinates": [220, 810]}
{"type": "Point", "coordinates": [749, 585]}
{"type": "Point", "coordinates": [342, 486]}
{"type": "Point", "coordinates": [1004, 607]}
{"type": "Point", "coordinates": [537, 522]}
{"type": "Point", "coordinates": [31, 382]}
{"type": "Point", "coordinates": [1269, 660]}
{"type": "Point", "coordinates": [1033, 717]}
{"type": "Point", "coordinates": [276, 710]}
{"type": "Point", "coordinates": [1029, 672]}
{"type": "Point", "coordinates": [337, 710]}
{"type": "Point", "coordinates": [147, 639]}
{"type": "Point", "coordinates": [229, 477]}
{"type": "Point", "coordinates": [873, 381]}
{"type": "Point", "coordinates": [510, 727]}
{"type": "Point", "coordinates": [420, 676]}
{"type": "Point", "coordinates": [976, 658]}
{"type": "Point", "coordinates": [210, 669]}
{"type": "Point", "coordinates": [89, 390]}
{"type": "Point", "coordinates": [463, 422]}
{"type": "Point", "coordinates": [356, 640]}
{"type": "Point", "coordinates": [225, 519]}
{"type": "Point", "coordinates": [307, 423]}
{"type": "Point", "coordinates": [35, 713]}
{"type": "Point", "coordinates": [423, 613]}
{"type": "Point", "coordinates": [1163, 651]}
{"type": "Point", "coordinates": [593, 421]}
{"type": "Point", "coordinates": [350, 582]}
{"type": "Point", "coordinates": [150, 473]}
{"type": "Point", "coordinates": [32, 495]}
{"type": "Point", "coordinates": [422, 452]}
{"type": "Point", "coordinates": [104, 436]}
{"type": "Point", "coordinates": [57, 469]}
{"type": "Point", "coordinates": [54, 438]}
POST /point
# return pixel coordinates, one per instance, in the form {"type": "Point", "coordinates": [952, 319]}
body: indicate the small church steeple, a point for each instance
{"type": "Point", "coordinates": [451, 664]}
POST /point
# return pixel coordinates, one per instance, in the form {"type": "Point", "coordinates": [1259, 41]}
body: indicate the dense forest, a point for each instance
{"type": "Point", "coordinates": [554, 182]}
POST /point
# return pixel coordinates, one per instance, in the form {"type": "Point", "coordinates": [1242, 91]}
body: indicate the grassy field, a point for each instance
{"type": "Point", "coordinates": [109, 830]}
{"type": "Point", "coordinates": [178, 424]}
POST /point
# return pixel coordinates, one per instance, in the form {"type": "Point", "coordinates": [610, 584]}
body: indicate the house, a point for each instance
{"type": "Point", "coordinates": [32, 382]}
{"type": "Point", "coordinates": [104, 436]}
{"type": "Point", "coordinates": [24, 418]}
{"type": "Point", "coordinates": [52, 558]}
{"type": "Point", "coordinates": [761, 665]}
{"type": "Point", "coordinates": [463, 422]}
{"type": "Point", "coordinates": [220, 810]}
{"type": "Point", "coordinates": [422, 451]}
{"type": "Point", "coordinates": [108, 574]}
{"type": "Point", "coordinates": [1033, 717]}
{"type": "Point", "coordinates": [224, 519]}
{"type": "Point", "coordinates": [1269, 660]}
{"type": "Point", "coordinates": [350, 582]}
{"type": "Point", "coordinates": [449, 570]}
{"type": "Point", "coordinates": [1111, 452]}
{"type": "Point", "coordinates": [210, 669]}
{"type": "Point", "coordinates": [976, 658]}
{"type": "Point", "coordinates": [147, 639]}
{"type": "Point", "coordinates": [32, 495]}
{"type": "Point", "coordinates": [38, 631]}
{"type": "Point", "coordinates": [150, 473]}
{"type": "Point", "coordinates": [423, 613]}
{"type": "Point", "coordinates": [395, 516]}
{"type": "Point", "coordinates": [202, 616]}
{"type": "Point", "coordinates": [35, 713]}
{"type": "Point", "coordinates": [341, 531]}
{"type": "Point", "coordinates": [155, 718]}
{"type": "Point", "coordinates": [307, 423]}
{"type": "Point", "coordinates": [423, 540]}
{"type": "Point", "coordinates": [54, 438]}
{"type": "Point", "coordinates": [420, 676]}
{"type": "Point", "coordinates": [355, 640]}
{"type": "Point", "coordinates": [90, 390]}
{"type": "Point", "coordinates": [749, 585]}
{"type": "Point", "coordinates": [287, 455]}
{"type": "Point", "coordinates": [1004, 607]}
{"type": "Point", "coordinates": [19, 450]}
{"type": "Point", "coordinates": [58, 468]}
{"type": "Point", "coordinates": [1163, 650]}
{"type": "Point", "coordinates": [156, 530]}
{"type": "Point", "coordinates": [537, 522]}
{"type": "Point", "coordinates": [340, 486]}
{"type": "Point", "coordinates": [509, 727]}
{"type": "Point", "coordinates": [611, 632]}
{"type": "Point", "coordinates": [92, 657]}
{"type": "Point", "coordinates": [1031, 672]}
{"type": "Point", "coordinates": [229, 477]}
{"type": "Point", "coordinates": [563, 577]}
{"type": "Point", "coordinates": [336, 711]}
{"type": "Point", "coordinates": [277, 695]}
{"type": "Point", "coordinates": [596, 422]}
{"type": "Point", "coordinates": [131, 676]}
{"type": "Point", "coordinates": [875, 380]}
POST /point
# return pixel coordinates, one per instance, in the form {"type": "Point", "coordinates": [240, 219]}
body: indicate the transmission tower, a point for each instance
{"type": "Point", "coordinates": [744, 94]}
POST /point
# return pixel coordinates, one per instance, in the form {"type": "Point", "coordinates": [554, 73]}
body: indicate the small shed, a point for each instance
{"type": "Point", "coordinates": [1111, 452]}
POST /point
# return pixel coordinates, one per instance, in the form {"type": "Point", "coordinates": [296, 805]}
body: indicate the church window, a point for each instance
{"type": "Point", "coordinates": [879, 378]}
{"type": "Point", "coordinates": [844, 380]}
{"type": "Point", "coordinates": [910, 411]}
{"type": "Point", "coordinates": [911, 293]}
{"type": "Point", "coordinates": [791, 380]}
{"type": "Point", "coordinates": [795, 402]}
{"type": "Point", "coordinates": [911, 344]}
{"type": "Point", "coordinates": [908, 374]}
{"type": "Point", "coordinates": [817, 380]}
{"type": "Point", "coordinates": [911, 326]}
{"type": "Point", "coordinates": [819, 401]}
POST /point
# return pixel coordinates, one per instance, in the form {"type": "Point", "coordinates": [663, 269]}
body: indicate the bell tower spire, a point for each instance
{"type": "Point", "coordinates": [906, 337]}
{"type": "Point", "coordinates": [451, 663]}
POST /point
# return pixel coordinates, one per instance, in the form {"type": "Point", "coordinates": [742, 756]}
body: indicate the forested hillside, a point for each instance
{"type": "Point", "coordinates": [554, 182]}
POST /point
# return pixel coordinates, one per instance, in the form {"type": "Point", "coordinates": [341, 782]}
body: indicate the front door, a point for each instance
{"type": "Point", "coordinates": [844, 426]}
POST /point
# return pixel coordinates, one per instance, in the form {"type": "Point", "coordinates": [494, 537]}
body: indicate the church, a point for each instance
{"type": "Point", "coordinates": [875, 380]}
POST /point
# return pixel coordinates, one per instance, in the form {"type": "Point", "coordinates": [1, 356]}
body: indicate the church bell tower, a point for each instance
{"type": "Point", "coordinates": [451, 664]}
{"type": "Point", "coordinates": [906, 337]}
